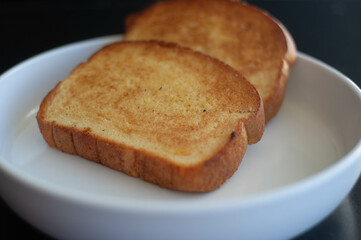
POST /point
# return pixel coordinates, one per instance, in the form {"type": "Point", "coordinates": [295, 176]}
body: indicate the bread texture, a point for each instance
{"type": "Point", "coordinates": [243, 36]}
{"type": "Point", "coordinates": [157, 111]}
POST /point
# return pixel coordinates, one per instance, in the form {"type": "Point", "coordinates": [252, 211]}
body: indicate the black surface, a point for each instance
{"type": "Point", "coordinates": [327, 30]}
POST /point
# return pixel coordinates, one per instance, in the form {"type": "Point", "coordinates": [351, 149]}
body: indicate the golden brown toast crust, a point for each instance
{"type": "Point", "coordinates": [200, 177]}
{"type": "Point", "coordinates": [243, 36]}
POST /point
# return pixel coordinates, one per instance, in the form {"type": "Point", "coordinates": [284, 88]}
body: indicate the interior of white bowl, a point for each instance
{"type": "Point", "coordinates": [331, 96]}
{"type": "Point", "coordinates": [316, 127]}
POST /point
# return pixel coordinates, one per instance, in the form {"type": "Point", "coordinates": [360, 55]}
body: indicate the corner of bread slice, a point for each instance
{"type": "Point", "coordinates": [156, 111]}
{"type": "Point", "coordinates": [45, 127]}
{"type": "Point", "coordinates": [291, 52]}
{"type": "Point", "coordinates": [203, 176]}
{"type": "Point", "coordinates": [275, 99]}
{"type": "Point", "coordinates": [255, 124]}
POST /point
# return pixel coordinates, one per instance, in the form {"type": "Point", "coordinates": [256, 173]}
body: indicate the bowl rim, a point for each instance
{"type": "Point", "coordinates": [180, 206]}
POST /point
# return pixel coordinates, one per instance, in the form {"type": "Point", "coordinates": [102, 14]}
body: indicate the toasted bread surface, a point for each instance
{"type": "Point", "coordinates": [240, 35]}
{"type": "Point", "coordinates": [157, 111]}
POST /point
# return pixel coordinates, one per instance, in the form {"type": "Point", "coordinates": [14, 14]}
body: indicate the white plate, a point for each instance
{"type": "Point", "coordinates": [305, 165]}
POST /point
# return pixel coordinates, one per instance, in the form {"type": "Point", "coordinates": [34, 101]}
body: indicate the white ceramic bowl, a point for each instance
{"type": "Point", "coordinates": [305, 165]}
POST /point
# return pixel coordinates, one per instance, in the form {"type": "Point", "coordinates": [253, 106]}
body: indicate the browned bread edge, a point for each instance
{"type": "Point", "coordinates": [273, 103]}
{"type": "Point", "coordinates": [201, 177]}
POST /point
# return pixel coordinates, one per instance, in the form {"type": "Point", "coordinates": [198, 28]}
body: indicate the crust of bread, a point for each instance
{"type": "Point", "coordinates": [272, 101]}
{"type": "Point", "coordinates": [202, 177]}
{"type": "Point", "coordinates": [199, 177]}
{"type": "Point", "coordinates": [291, 53]}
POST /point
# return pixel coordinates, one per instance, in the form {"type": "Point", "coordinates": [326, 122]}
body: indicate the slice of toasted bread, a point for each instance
{"type": "Point", "coordinates": [157, 111]}
{"type": "Point", "coordinates": [242, 36]}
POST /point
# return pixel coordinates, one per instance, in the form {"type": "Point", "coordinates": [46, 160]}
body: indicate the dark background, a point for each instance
{"type": "Point", "coordinates": [329, 30]}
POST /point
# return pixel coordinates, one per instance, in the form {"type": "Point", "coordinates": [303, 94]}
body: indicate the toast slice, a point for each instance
{"type": "Point", "coordinates": [157, 111]}
{"type": "Point", "coordinates": [238, 34]}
